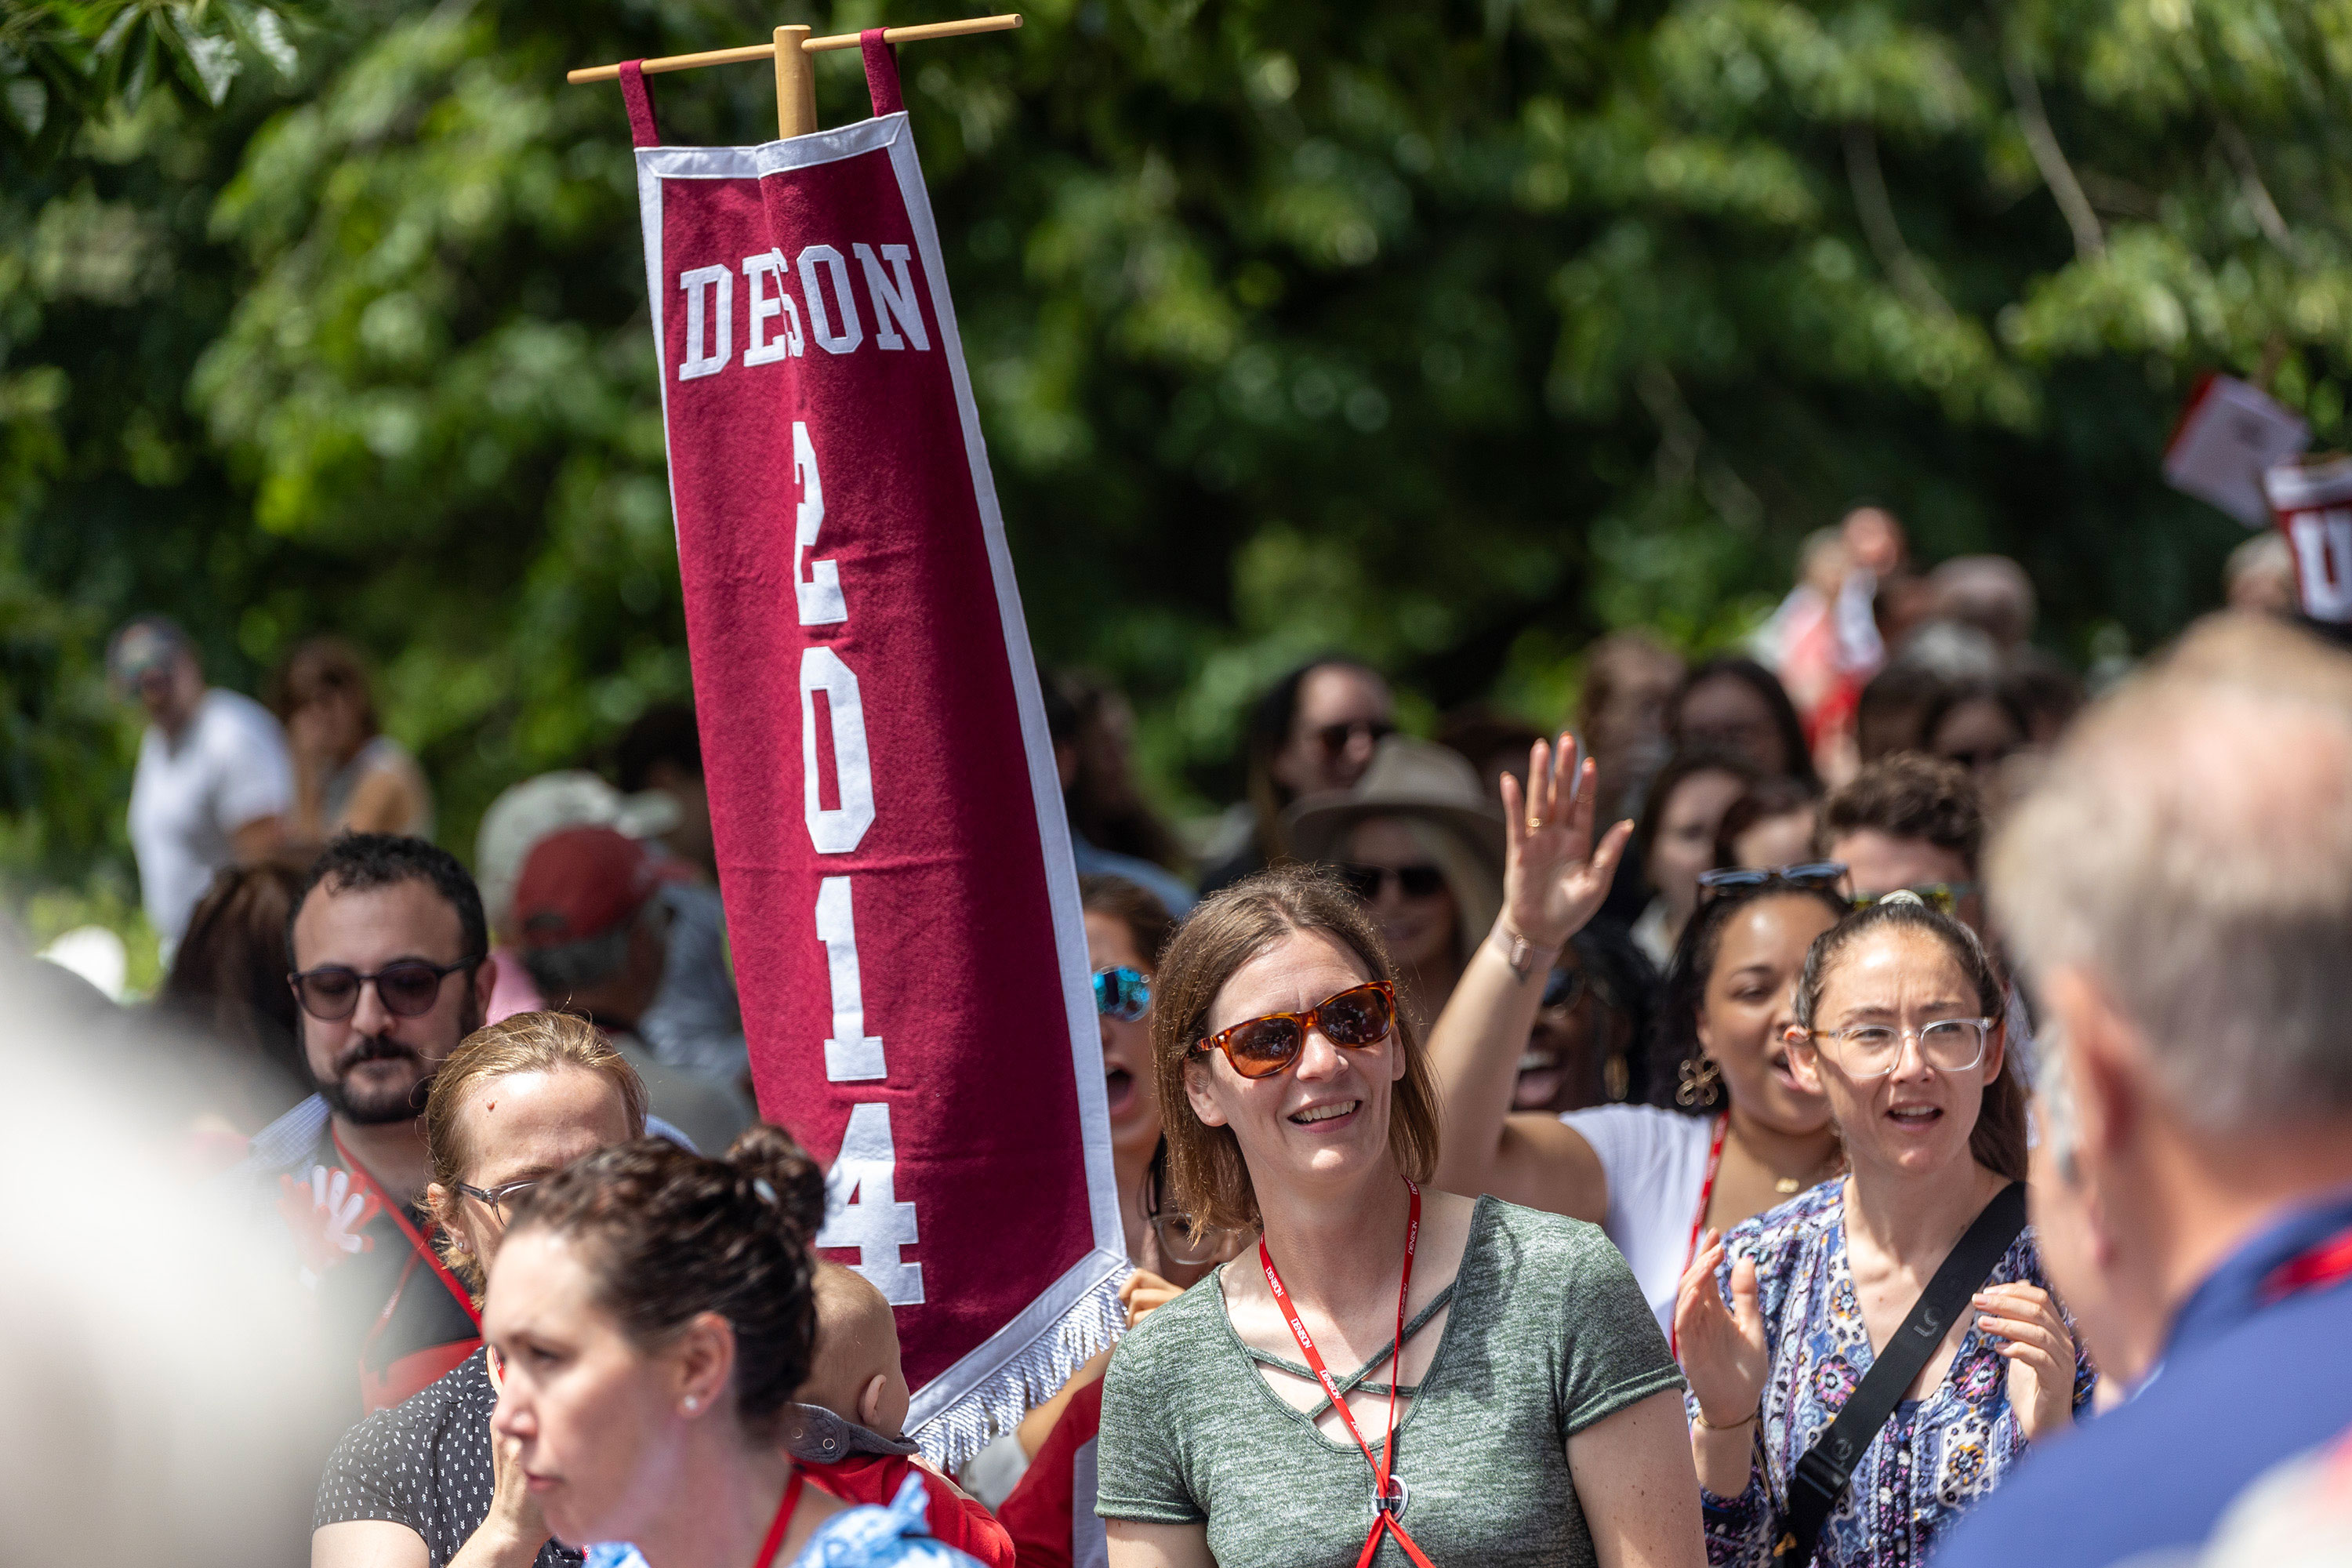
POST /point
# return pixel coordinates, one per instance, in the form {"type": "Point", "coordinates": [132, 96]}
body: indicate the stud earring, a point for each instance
{"type": "Point", "coordinates": [693, 1404]}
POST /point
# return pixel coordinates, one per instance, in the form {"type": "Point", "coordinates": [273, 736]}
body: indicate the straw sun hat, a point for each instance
{"type": "Point", "coordinates": [1437, 796]}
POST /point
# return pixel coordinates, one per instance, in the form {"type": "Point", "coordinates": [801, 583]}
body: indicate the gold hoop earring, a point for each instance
{"type": "Point", "coordinates": [1700, 1078]}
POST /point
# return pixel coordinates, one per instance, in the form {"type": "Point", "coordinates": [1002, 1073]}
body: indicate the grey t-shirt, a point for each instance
{"type": "Point", "coordinates": [1547, 1334]}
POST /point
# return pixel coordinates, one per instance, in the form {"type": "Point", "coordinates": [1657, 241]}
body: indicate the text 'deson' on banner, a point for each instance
{"type": "Point", "coordinates": [892, 849]}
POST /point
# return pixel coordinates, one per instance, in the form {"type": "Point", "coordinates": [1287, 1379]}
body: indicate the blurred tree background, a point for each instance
{"type": "Point", "coordinates": [1451, 331]}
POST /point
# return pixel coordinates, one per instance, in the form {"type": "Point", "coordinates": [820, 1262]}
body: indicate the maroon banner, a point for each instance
{"type": "Point", "coordinates": [891, 843]}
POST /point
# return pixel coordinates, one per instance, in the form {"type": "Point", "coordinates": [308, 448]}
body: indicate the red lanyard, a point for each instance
{"type": "Point", "coordinates": [2327, 1263]}
{"type": "Point", "coordinates": [385, 1200]}
{"type": "Point", "coordinates": [775, 1541]}
{"type": "Point", "coordinates": [1698, 1220]}
{"type": "Point", "coordinates": [1383, 1518]}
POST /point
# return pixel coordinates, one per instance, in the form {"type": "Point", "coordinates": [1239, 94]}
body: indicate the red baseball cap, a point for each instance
{"type": "Point", "coordinates": [580, 883]}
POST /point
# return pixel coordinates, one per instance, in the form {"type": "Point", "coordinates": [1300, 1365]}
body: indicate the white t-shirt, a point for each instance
{"type": "Point", "coordinates": [228, 768]}
{"type": "Point", "coordinates": [1655, 1164]}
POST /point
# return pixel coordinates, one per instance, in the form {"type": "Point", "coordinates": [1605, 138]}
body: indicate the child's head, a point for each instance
{"type": "Point", "coordinates": [856, 1373]}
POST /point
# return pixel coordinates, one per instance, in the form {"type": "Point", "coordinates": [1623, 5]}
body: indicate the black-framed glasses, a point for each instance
{"type": "Point", "coordinates": [1334, 738]}
{"type": "Point", "coordinates": [1122, 993]}
{"type": "Point", "coordinates": [1413, 881]}
{"type": "Point", "coordinates": [407, 987]}
{"type": "Point", "coordinates": [1812, 874]}
{"type": "Point", "coordinates": [1940, 897]}
{"type": "Point", "coordinates": [1873, 1051]}
{"type": "Point", "coordinates": [500, 1196]}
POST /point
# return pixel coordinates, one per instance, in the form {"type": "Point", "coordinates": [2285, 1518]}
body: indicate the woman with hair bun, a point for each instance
{"type": "Point", "coordinates": [653, 1314]}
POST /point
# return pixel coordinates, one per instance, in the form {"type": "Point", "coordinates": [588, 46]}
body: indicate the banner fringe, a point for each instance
{"type": "Point", "coordinates": [1026, 1380]}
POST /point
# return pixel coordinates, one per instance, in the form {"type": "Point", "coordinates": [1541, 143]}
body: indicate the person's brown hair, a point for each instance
{"type": "Point", "coordinates": [1148, 924]}
{"type": "Point", "coordinates": [316, 668]}
{"type": "Point", "coordinates": [1908, 796]}
{"type": "Point", "coordinates": [1208, 1181]}
{"type": "Point", "coordinates": [527, 1042]}
{"type": "Point", "coordinates": [1998, 1140]}
{"type": "Point", "coordinates": [666, 1235]}
{"type": "Point", "coordinates": [228, 973]}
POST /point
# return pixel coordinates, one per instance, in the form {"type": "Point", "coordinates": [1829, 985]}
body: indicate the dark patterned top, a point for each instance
{"type": "Point", "coordinates": [425, 1464]}
{"type": "Point", "coordinates": [1933, 1459]}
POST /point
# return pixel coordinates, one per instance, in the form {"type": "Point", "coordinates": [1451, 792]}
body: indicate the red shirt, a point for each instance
{"type": "Point", "coordinates": [1042, 1515]}
{"type": "Point", "coordinates": [956, 1520]}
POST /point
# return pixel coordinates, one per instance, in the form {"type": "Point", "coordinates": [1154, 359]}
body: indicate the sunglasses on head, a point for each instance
{"type": "Point", "coordinates": [1940, 897]}
{"type": "Point", "coordinates": [1334, 738]}
{"type": "Point", "coordinates": [1811, 874]}
{"type": "Point", "coordinates": [1413, 881]}
{"type": "Point", "coordinates": [1358, 1017]}
{"type": "Point", "coordinates": [1122, 993]}
{"type": "Point", "coordinates": [408, 988]}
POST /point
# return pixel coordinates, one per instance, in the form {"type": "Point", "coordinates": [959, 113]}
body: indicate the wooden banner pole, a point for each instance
{"type": "Point", "coordinates": [914, 34]}
{"type": "Point", "coordinates": [796, 84]}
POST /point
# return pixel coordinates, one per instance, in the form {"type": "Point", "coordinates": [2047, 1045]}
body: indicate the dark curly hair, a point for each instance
{"type": "Point", "coordinates": [1687, 975]}
{"type": "Point", "coordinates": [669, 1235]}
{"type": "Point", "coordinates": [1910, 795]}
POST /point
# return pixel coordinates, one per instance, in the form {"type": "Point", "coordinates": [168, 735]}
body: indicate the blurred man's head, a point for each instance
{"type": "Point", "coordinates": [1910, 821]}
{"type": "Point", "coordinates": [152, 661]}
{"type": "Point", "coordinates": [1990, 593]}
{"type": "Point", "coordinates": [592, 931]}
{"type": "Point", "coordinates": [2180, 889]}
{"type": "Point", "coordinates": [387, 943]}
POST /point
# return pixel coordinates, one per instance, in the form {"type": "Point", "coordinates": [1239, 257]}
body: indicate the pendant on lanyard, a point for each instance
{"type": "Point", "coordinates": [1387, 1502]}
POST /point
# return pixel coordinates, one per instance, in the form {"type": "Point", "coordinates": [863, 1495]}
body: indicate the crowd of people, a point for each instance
{"type": "Point", "coordinates": [1844, 1101]}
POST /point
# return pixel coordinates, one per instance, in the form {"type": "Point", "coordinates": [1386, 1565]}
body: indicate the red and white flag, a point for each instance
{"type": "Point", "coordinates": [2313, 503]}
{"type": "Point", "coordinates": [892, 848]}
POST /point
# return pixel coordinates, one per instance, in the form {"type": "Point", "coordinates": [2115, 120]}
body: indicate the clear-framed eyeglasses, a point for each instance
{"type": "Point", "coordinates": [499, 1198]}
{"type": "Point", "coordinates": [1873, 1051]}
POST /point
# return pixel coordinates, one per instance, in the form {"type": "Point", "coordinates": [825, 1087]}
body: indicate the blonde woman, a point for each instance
{"type": "Point", "coordinates": [418, 1485]}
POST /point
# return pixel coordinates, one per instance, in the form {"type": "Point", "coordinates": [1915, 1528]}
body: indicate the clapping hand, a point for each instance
{"type": "Point", "coordinates": [1554, 876]}
{"type": "Point", "coordinates": [1722, 1348]}
{"type": "Point", "coordinates": [2039, 1351]}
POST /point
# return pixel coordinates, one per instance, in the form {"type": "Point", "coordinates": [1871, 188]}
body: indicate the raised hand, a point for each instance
{"type": "Point", "coordinates": [1722, 1348]}
{"type": "Point", "coordinates": [1554, 877]}
{"type": "Point", "coordinates": [2039, 1351]}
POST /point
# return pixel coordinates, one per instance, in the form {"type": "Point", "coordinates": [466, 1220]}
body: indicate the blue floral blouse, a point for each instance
{"type": "Point", "coordinates": [1934, 1458]}
{"type": "Point", "coordinates": [869, 1537]}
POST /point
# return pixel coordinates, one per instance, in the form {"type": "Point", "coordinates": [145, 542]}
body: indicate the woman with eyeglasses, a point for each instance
{"type": "Point", "coordinates": [422, 1484]}
{"type": "Point", "coordinates": [1313, 732]}
{"type": "Point", "coordinates": [1782, 1322]}
{"type": "Point", "coordinates": [1723, 1130]}
{"type": "Point", "coordinates": [1475, 1382]}
{"type": "Point", "coordinates": [1420, 842]}
{"type": "Point", "coordinates": [1126, 928]}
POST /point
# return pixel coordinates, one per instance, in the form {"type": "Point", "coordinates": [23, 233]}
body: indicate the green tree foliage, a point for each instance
{"type": "Point", "coordinates": [1454, 332]}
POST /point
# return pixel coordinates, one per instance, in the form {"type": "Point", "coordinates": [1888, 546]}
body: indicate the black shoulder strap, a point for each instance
{"type": "Point", "coordinates": [1820, 1477]}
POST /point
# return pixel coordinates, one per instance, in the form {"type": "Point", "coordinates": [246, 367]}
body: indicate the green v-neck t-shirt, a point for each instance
{"type": "Point", "coordinates": [1547, 1334]}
